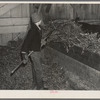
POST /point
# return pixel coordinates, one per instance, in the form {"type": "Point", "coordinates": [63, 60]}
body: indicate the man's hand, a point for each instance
{"type": "Point", "coordinates": [43, 42]}
{"type": "Point", "coordinates": [24, 57]}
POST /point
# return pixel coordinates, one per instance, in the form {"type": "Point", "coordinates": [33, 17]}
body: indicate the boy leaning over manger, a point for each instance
{"type": "Point", "coordinates": [33, 43]}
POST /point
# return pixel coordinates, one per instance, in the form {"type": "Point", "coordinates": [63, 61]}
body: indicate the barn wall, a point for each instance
{"type": "Point", "coordinates": [14, 20]}
{"type": "Point", "coordinates": [69, 11]}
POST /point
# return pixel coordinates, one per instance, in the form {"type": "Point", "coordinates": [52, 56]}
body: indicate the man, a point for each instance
{"type": "Point", "coordinates": [33, 43]}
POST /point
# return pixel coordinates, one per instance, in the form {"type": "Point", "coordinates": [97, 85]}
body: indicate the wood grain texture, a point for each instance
{"type": "Point", "coordinates": [7, 7]}
{"type": "Point", "coordinates": [69, 11]}
{"type": "Point", "coordinates": [13, 21]}
{"type": "Point", "coordinates": [17, 11]}
{"type": "Point", "coordinates": [13, 29]}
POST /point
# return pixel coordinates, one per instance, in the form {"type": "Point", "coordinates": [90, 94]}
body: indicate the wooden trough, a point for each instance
{"type": "Point", "coordinates": [81, 71]}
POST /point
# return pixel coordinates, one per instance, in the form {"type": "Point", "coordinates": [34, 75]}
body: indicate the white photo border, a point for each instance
{"type": "Point", "coordinates": [47, 94]}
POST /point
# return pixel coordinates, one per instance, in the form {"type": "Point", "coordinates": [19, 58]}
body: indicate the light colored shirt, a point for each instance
{"type": "Point", "coordinates": [38, 23]}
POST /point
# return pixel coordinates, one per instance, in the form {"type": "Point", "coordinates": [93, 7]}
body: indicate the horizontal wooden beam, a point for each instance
{"type": "Point", "coordinates": [13, 29]}
{"type": "Point", "coordinates": [13, 21]}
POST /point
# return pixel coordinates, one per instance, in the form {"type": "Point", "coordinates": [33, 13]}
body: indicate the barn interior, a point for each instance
{"type": "Point", "coordinates": [70, 59]}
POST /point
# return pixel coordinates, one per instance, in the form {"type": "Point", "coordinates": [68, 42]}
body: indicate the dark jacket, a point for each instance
{"type": "Point", "coordinates": [32, 40]}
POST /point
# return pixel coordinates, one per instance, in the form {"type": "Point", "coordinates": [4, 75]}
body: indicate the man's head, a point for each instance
{"type": "Point", "coordinates": [36, 18]}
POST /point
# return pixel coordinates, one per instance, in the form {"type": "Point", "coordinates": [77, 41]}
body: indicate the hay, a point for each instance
{"type": "Point", "coordinates": [68, 33]}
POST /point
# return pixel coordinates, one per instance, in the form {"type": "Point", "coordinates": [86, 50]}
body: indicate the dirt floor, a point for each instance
{"type": "Point", "coordinates": [9, 58]}
{"type": "Point", "coordinates": [55, 77]}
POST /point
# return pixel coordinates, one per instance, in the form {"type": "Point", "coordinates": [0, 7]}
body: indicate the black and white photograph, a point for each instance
{"type": "Point", "coordinates": [49, 46]}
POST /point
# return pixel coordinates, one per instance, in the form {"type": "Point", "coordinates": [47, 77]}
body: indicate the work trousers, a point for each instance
{"type": "Point", "coordinates": [37, 72]}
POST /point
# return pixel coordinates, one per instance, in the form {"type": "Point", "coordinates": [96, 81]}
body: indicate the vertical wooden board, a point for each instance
{"type": "Point", "coordinates": [57, 12]}
{"type": "Point", "coordinates": [89, 12]}
{"type": "Point", "coordinates": [83, 12]}
{"type": "Point", "coordinates": [17, 11]}
{"type": "Point", "coordinates": [25, 10]}
{"type": "Point", "coordinates": [74, 10]}
{"type": "Point", "coordinates": [80, 11]}
{"type": "Point", "coordinates": [28, 10]}
{"type": "Point", "coordinates": [85, 8]}
{"type": "Point", "coordinates": [61, 9]}
{"type": "Point", "coordinates": [62, 14]}
{"type": "Point", "coordinates": [52, 11]}
{"type": "Point", "coordinates": [96, 11]}
{"type": "Point", "coordinates": [99, 12]}
{"type": "Point", "coordinates": [93, 12]}
{"type": "Point", "coordinates": [86, 12]}
{"type": "Point", "coordinates": [93, 16]}
{"type": "Point", "coordinates": [71, 12]}
{"type": "Point", "coordinates": [66, 11]}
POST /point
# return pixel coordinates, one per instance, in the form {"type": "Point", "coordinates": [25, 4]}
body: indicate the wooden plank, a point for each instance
{"type": "Point", "coordinates": [3, 4]}
{"type": "Point", "coordinates": [84, 11]}
{"type": "Point", "coordinates": [13, 21]}
{"type": "Point", "coordinates": [6, 15]}
{"type": "Point", "coordinates": [13, 29]}
{"type": "Point", "coordinates": [25, 10]}
{"type": "Point", "coordinates": [52, 11]}
{"type": "Point", "coordinates": [17, 11]}
{"type": "Point", "coordinates": [6, 8]}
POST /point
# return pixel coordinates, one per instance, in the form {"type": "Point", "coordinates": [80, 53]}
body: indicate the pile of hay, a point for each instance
{"type": "Point", "coordinates": [71, 35]}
